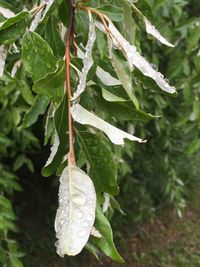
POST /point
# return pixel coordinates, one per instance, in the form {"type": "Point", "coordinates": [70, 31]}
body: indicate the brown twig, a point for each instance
{"type": "Point", "coordinates": [69, 38]}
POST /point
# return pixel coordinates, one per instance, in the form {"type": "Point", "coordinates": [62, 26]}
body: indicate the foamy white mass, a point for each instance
{"type": "Point", "coordinates": [76, 212]}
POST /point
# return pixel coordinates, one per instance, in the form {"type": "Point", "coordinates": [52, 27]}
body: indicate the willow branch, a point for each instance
{"type": "Point", "coordinates": [69, 38]}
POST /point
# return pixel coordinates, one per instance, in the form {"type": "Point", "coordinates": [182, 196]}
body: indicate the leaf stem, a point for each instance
{"type": "Point", "coordinates": [69, 37]}
{"type": "Point", "coordinates": [36, 9]}
{"type": "Point", "coordinates": [103, 17]}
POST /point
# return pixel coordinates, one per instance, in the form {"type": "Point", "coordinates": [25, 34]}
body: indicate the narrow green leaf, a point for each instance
{"type": "Point", "coordinates": [14, 27]}
{"type": "Point", "coordinates": [20, 160]}
{"type": "Point", "coordinates": [117, 136]}
{"type": "Point", "coordinates": [53, 36]}
{"type": "Point", "coordinates": [61, 127]}
{"type": "Point", "coordinates": [111, 97]}
{"type": "Point", "coordinates": [26, 92]}
{"type": "Point", "coordinates": [136, 60]}
{"type": "Point", "coordinates": [53, 83]}
{"type": "Point", "coordinates": [115, 13]}
{"type": "Point", "coordinates": [124, 76]}
{"type": "Point", "coordinates": [128, 24]}
{"type": "Point", "coordinates": [150, 28]}
{"type": "Point", "coordinates": [105, 243]}
{"type": "Point", "coordinates": [38, 108]}
{"type": "Point", "coordinates": [100, 157]}
{"type": "Point", "coordinates": [37, 56]}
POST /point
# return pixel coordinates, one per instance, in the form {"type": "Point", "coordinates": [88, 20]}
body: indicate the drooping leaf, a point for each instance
{"type": "Point", "coordinates": [151, 28]}
{"type": "Point", "coordinates": [116, 135]}
{"type": "Point", "coordinates": [14, 27]}
{"type": "Point", "coordinates": [115, 13]}
{"type": "Point", "coordinates": [124, 77]}
{"type": "Point", "coordinates": [53, 83]}
{"type": "Point", "coordinates": [26, 92]}
{"type": "Point", "coordinates": [76, 212]}
{"type": "Point", "coordinates": [128, 22]}
{"type": "Point", "coordinates": [37, 56]}
{"type": "Point", "coordinates": [121, 110]}
{"type": "Point", "coordinates": [49, 127]}
{"type": "Point", "coordinates": [60, 146]}
{"type": "Point", "coordinates": [193, 147]}
{"type": "Point", "coordinates": [87, 60]}
{"type": "Point", "coordinates": [52, 36]}
{"type": "Point", "coordinates": [135, 59]}
{"type": "Point", "coordinates": [50, 7]}
{"type": "Point", "coordinates": [111, 97]}
{"type": "Point", "coordinates": [100, 157]}
{"type": "Point", "coordinates": [38, 108]}
{"type": "Point", "coordinates": [105, 243]}
{"type": "Point", "coordinates": [106, 78]}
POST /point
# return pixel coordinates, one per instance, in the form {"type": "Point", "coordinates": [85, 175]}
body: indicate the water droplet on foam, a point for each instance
{"type": "Point", "coordinates": [82, 233]}
{"type": "Point", "coordinates": [79, 200]}
{"type": "Point", "coordinates": [85, 224]}
{"type": "Point", "coordinates": [89, 218]}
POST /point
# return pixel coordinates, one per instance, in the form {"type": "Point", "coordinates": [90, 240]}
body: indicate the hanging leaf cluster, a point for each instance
{"type": "Point", "coordinates": [83, 70]}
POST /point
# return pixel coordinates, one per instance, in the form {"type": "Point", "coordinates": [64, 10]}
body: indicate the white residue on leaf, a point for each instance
{"type": "Point", "coordinates": [135, 59]}
{"type": "Point", "coordinates": [76, 212]}
{"type": "Point", "coordinates": [117, 136]}
{"type": "Point", "coordinates": [87, 60]}
{"type": "Point", "coordinates": [106, 78]}
{"type": "Point", "coordinates": [48, 5]}
{"type": "Point", "coordinates": [54, 149]}
{"type": "Point", "coordinates": [155, 33]}
{"type": "Point", "coordinates": [106, 203]}
{"type": "Point", "coordinates": [62, 30]}
{"type": "Point", "coordinates": [3, 55]}
{"type": "Point", "coordinates": [95, 232]}
{"type": "Point", "coordinates": [16, 66]}
{"type": "Point", "coordinates": [6, 12]}
{"type": "Point", "coordinates": [36, 21]}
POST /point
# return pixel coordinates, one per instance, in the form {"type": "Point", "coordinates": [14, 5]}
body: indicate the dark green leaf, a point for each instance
{"type": "Point", "coordinates": [61, 126]}
{"type": "Point", "coordinates": [37, 56]}
{"type": "Point", "coordinates": [13, 28]}
{"type": "Point", "coordinates": [53, 36]}
{"type": "Point", "coordinates": [38, 108]}
{"type": "Point", "coordinates": [115, 13]}
{"type": "Point", "coordinates": [103, 169]}
{"type": "Point", "coordinates": [105, 243]}
{"type": "Point", "coordinates": [53, 83]}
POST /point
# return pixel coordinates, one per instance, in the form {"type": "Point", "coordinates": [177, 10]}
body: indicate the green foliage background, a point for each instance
{"type": "Point", "coordinates": [162, 173]}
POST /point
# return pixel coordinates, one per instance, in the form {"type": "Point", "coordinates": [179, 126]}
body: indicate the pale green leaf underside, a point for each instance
{"type": "Point", "coordinates": [76, 212]}
{"type": "Point", "coordinates": [116, 135]}
{"type": "Point", "coordinates": [111, 97]}
{"type": "Point", "coordinates": [136, 60]}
